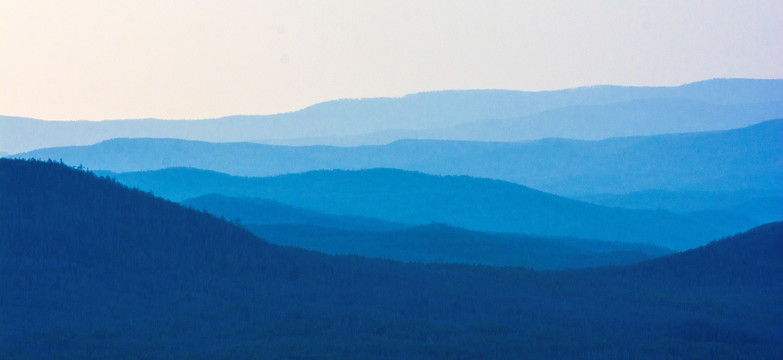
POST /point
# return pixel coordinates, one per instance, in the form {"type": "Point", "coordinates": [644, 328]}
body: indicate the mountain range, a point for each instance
{"type": "Point", "coordinates": [602, 222]}
{"type": "Point", "coordinates": [721, 161]}
{"type": "Point", "coordinates": [595, 112]}
{"type": "Point", "coordinates": [415, 198]}
{"type": "Point", "coordinates": [760, 206]}
{"type": "Point", "coordinates": [432, 243]}
{"type": "Point", "coordinates": [91, 269]}
{"type": "Point", "coordinates": [268, 212]}
{"type": "Point", "coordinates": [640, 117]}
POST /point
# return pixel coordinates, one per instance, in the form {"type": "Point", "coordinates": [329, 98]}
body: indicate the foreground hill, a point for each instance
{"type": "Point", "coordinates": [742, 159]}
{"type": "Point", "coordinates": [93, 270]}
{"type": "Point", "coordinates": [346, 235]}
{"type": "Point", "coordinates": [421, 111]}
{"type": "Point", "coordinates": [416, 198]}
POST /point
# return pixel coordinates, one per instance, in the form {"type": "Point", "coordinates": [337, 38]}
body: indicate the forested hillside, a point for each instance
{"type": "Point", "coordinates": [91, 269]}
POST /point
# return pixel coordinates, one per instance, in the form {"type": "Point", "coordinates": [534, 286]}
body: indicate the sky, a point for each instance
{"type": "Point", "coordinates": [120, 59]}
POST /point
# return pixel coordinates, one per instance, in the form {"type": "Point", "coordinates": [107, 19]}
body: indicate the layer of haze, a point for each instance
{"type": "Point", "coordinates": [94, 59]}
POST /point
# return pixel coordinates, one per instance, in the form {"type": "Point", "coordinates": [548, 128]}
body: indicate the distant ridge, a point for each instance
{"type": "Point", "coordinates": [264, 212]}
{"type": "Point", "coordinates": [416, 198]}
{"type": "Point", "coordinates": [346, 235]}
{"type": "Point", "coordinates": [438, 243]}
{"type": "Point", "coordinates": [731, 160]}
{"type": "Point", "coordinates": [739, 103]}
{"type": "Point", "coordinates": [758, 205]}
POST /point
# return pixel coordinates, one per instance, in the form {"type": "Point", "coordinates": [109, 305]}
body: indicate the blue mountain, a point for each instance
{"type": "Point", "coordinates": [707, 105]}
{"type": "Point", "coordinates": [418, 199]}
{"type": "Point", "coordinates": [346, 235]}
{"type": "Point", "coordinates": [721, 161]}
{"type": "Point", "coordinates": [257, 211]}
{"type": "Point", "coordinates": [640, 117]}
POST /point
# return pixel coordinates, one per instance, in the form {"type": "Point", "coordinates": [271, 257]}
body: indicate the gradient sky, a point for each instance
{"type": "Point", "coordinates": [82, 59]}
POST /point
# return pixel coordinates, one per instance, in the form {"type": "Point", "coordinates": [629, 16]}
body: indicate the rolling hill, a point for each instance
{"type": "Point", "coordinates": [267, 212]}
{"type": "Point", "coordinates": [760, 206]}
{"type": "Point", "coordinates": [438, 243]}
{"type": "Point", "coordinates": [416, 198]}
{"type": "Point", "coordinates": [429, 110]}
{"type": "Point", "coordinates": [286, 225]}
{"type": "Point", "coordinates": [90, 269]}
{"type": "Point", "coordinates": [744, 159]}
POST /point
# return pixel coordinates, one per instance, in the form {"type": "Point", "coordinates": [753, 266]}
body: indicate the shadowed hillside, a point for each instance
{"type": "Point", "coordinates": [437, 243]}
{"type": "Point", "coordinates": [752, 258]}
{"type": "Point", "coordinates": [265, 212]}
{"type": "Point", "coordinates": [418, 199]}
{"type": "Point", "coordinates": [91, 269]}
{"type": "Point", "coordinates": [346, 235]}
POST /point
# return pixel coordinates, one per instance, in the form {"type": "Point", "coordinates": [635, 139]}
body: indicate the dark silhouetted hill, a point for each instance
{"type": "Point", "coordinates": [418, 199]}
{"type": "Point", "coordinates": [752, 258]}
{"type": "Point", "coordinates": [90, 269]}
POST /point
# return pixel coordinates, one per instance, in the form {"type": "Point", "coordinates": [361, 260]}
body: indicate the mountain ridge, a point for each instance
{"type": "Point", "coordinates": [641, 117]}
{"type": "Point", "coordinates": [356, 117]}
{"type": "Point", "coordinates": [436, 243]}
{"type": "Point", "coordinates": [264, 211]}
{"type": "Point", "coordinates": [416, 198]}
{"type": "Point", "coordinates": [728, 160]}
{"type": "Point", "coordinates": [285, 225]}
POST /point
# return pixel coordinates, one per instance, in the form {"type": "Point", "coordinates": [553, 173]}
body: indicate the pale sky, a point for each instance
{"type": "Point", "coordinates": [105, 59]}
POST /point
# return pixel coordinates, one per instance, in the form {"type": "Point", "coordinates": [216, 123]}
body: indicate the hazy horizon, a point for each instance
{"type": "Point", "coordinates": [389, 97]}
{"type": "Point", "coordinates": [91, 60]}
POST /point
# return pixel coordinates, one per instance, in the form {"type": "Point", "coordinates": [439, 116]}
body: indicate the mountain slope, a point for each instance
{"type": "Point", "coordinates": [90, 269]}
{"type": "Point", "coordinates": [415, 198]}
{"type": "Point", "coordinates": [752, 257]}
{"type": "Point", "coordinates": [267, 212]}
{"type": "Point", "coordinates": [360, 116]}
{"type": "Point", "coordinates": [331, 234]}
{"type": "Point", "coordinates": [437, 243]}
{"type": "Point", "coordinates": [733, 160]}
